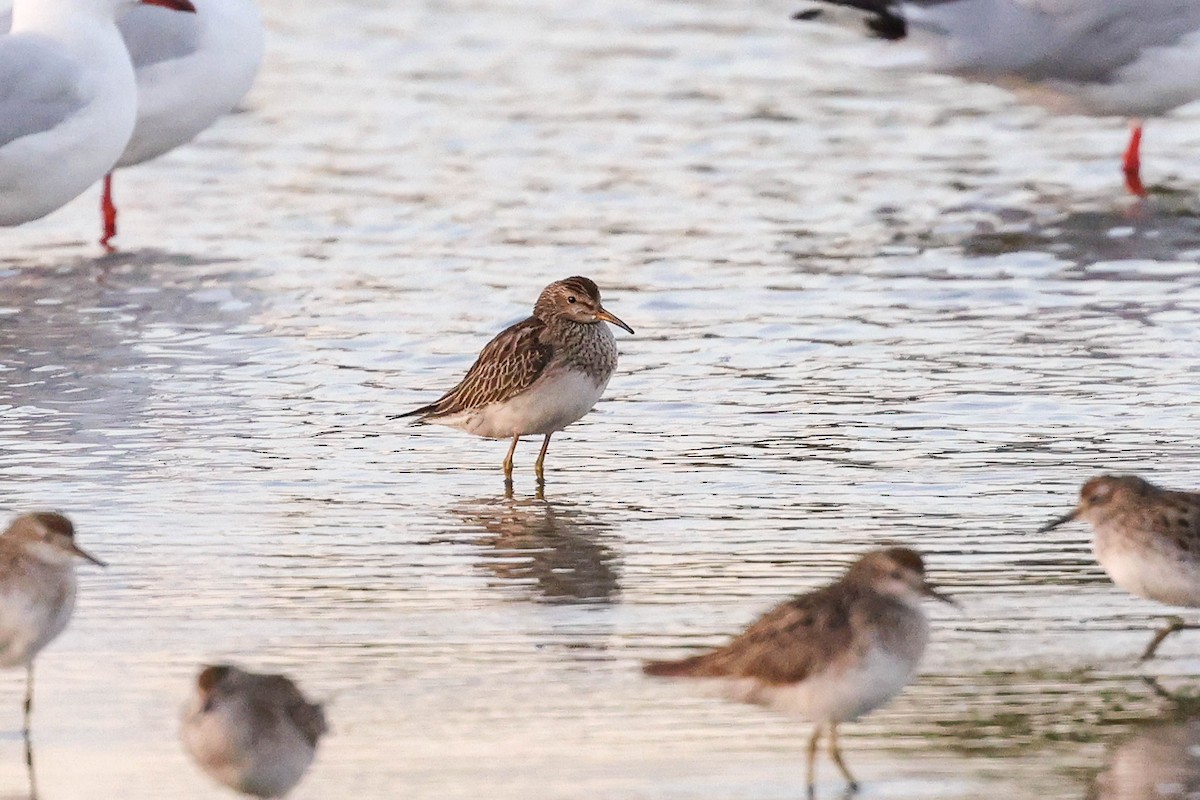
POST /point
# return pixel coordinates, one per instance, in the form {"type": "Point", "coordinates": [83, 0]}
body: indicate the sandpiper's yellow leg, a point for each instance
{"type": "Point", "coordinates": [508, 461]}
{"type": "Point", "coordinates": [811, 771]}
{"type": "Point", "coordinates": [835, 752]}
{"type": "Point", "coordinates": [541, 462]}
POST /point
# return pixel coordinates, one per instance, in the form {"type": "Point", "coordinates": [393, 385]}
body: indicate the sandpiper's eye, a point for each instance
{"type": "Point", "coordinates": [571, 299]}
{"type": "Point", "coordinates": [896, 574]}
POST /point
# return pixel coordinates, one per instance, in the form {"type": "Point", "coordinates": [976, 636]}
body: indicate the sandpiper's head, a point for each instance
{"type": "Point", "coordinates": [576, 299]}
{"type": "Point", "coordinates": [1101, 495]}
{"type": "Point", "coordinates": [48, 536]}
{"type": "Point", "coordinates": [895, 571]}
{"type": "Point", "coordinates": [210, 683]}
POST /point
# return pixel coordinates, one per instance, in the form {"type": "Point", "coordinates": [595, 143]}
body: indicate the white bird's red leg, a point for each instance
{"type": "Point", "coordinates": [108, 213]}
{"type": "Point", "coordinates": [1133, 161]}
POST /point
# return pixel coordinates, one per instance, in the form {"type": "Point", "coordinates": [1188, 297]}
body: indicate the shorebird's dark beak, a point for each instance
{"type": "Point", "coordinates": [1063, 520]}
{"type": "Point", "coordinates": [607, 317]}
{"type": "Point", "coordinates": [84, 554]}
{"type": "Point", "coordinates": [928, 590]}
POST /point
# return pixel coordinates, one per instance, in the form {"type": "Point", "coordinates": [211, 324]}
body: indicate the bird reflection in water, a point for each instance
{"type": "Point", "coordinates": [557, 549]}
{"type": "Point", "coordinates": [1159, 762]}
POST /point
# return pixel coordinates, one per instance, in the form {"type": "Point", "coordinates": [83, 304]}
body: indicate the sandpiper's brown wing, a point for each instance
{"type": "Point", "coordinates": [309, 718]}
{"type": "Point", "coordinates": [785, 645]}
{"type": "Point", "coordinates": [275, 699]}
{"type": "Point", "coordinates": [507, 366]}
{"type": "Point", "coordinates": [1177, 520]}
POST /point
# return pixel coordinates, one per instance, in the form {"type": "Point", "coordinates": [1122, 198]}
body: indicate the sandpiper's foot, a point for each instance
{"type": "Point", "coordinates": [539, 467]}
{"type": "Point", "coordinates": [508, 460]}
{"type": "Point", "coordinates": [1174, 624]}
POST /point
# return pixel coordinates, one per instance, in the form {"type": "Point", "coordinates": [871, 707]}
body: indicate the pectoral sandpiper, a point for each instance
{"type": "Point", "coordinates": [538, 376]}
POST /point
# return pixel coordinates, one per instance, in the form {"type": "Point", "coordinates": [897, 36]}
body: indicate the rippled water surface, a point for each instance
{"type": "Point", "coordinates": [869, 307]}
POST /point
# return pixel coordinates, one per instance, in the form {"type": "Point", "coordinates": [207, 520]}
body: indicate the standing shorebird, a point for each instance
{"type": "Point", "coordinates": [538, 376]}
{"type": "Point", "coordinates": [37, 591]}
{"type": "Point", "coordinates": [1147, 539]}
{"type": "Point", "coordinates": [255, 733]}
{"type": "Point", "coordinates": [831, 655]}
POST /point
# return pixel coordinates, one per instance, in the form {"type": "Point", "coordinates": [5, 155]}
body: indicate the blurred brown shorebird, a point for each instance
{"type": "Point", "coordinates": [37, 593]}
{"type": "Point", "coordinates": [255, 733]}
{"type": "Point", "coordinates": [831, 655]}
{"type": "Point", "coordinates": [1147, 539]}
{"type": "Point", "coordinates": [537, 376]}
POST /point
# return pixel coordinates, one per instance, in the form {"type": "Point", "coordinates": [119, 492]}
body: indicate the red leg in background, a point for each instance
{"type": "Point", "coordinates": [108, 212]}
{"type": "Point", "coordinates": [1133, 161]}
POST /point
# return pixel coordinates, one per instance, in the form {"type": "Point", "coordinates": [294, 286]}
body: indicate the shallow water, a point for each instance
{"type": "Point", "coordinates": [869, 308]}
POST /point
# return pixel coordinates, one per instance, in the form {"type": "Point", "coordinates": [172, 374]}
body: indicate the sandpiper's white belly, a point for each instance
{"type": "Point", "coordinates": [1156, 573]}
{"type": "Point", "coordinates": [31, 616]}
{"type": "Point", "coordinates": [223, 743]}
{"type": "Point", "coordinates": [837, 694]}
{"type": "Point", "coordinates": [557, 399]}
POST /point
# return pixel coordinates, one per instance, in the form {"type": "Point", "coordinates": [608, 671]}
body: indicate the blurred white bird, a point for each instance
{"type": "Point", "coordinates": [191, 71]}
{"type": "Point", "coordinates": [67, 101]}
{"type": "Point", "coordinates": [1129, 58]}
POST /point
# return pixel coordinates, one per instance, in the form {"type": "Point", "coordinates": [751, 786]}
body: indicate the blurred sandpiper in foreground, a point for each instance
{"type": "Point", "coordinates": [255, 733]}
{"type": "Point", "coordinates": [537, 376]}
{"type": "Point", "coordinates": [37, 590]}
{"type": "Point", "coordinates": [1146, 538]}
{"type": "Point", "coordinates": [831, 655]}
{"type": "Point", "coordinates": [67, 101]}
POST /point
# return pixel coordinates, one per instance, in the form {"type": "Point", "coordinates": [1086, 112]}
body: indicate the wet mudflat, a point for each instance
{"type": "Point", "coordinates": [870, 308]}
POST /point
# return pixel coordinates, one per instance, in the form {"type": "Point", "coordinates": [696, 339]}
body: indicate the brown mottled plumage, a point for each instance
{"type": "Point", "coordinates": [507, 366]}
{"type": "Point", "coordinates": [832, 654]}
{"type": "Point", "coordinates": [1146, 538]}
{"type": "Point", "coordinates": [255, 733]}
{"type": "Point", "coordinates": [537, 376]}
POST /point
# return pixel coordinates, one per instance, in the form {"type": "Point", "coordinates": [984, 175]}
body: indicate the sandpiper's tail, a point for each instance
{"type": "Point", "coordinates": [690, 667]}
{"type": "Point", "coordinates": [421, 414]}
{"type": "Point", "coordinates": [884, 18]}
